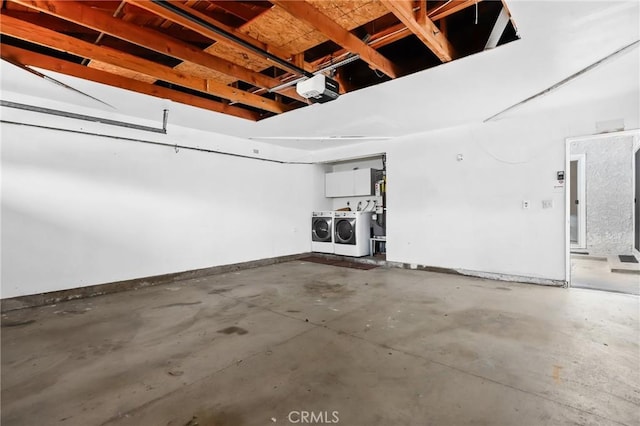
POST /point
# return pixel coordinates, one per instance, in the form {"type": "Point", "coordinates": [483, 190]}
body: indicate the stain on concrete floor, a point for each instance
{"type": "Point", "coordinates": [9, 323]}
{"type": "Point", "coordinates": [233, 330]}
{"type": "Point", "coordinates": [219, 290]}
{"type": "Point", "coordinates": [328, 289]}
{"type": "Point", "coordinates": [173, 305]}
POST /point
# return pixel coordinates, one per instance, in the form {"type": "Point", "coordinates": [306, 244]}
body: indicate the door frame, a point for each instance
{"type": "Point", "coordinates": [636, 219]}
{"type": "Point", "coordinates": [582, 197]}
{"type": "Point", "coordinates": [567, 168]}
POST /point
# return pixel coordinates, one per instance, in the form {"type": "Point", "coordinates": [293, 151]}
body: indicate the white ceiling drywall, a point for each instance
{"type": "Point", "coordinates": [558, 39]}
{"type": "Point", "coordinates": [615, 78]}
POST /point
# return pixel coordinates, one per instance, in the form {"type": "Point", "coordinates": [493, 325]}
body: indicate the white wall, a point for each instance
{"type": "Point", "coordinates": [80, 210]}
{"type": "Point", "coordinates": [112, 103]}
{"type": "Point", "coordinates": [468, 214]}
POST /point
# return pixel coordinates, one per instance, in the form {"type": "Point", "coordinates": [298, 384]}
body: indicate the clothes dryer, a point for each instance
{"type": "Point", "coordinates": [351, 233]}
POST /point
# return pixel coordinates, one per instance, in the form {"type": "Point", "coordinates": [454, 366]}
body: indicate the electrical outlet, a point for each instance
{"type": "Point", "coordinates": [525, 204]}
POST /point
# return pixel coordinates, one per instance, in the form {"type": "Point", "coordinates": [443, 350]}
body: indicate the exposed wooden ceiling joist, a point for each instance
{"type": "Point", "coordinates": [28, 58]}
{"type": "Point", "coordinates": [44, 37]}
{"type": "Point", "coordinates": [427, 32]}
{"type": "Point", "coordinates": [238, 9]}
{"type": "Point", "coordinates": [376, 41]}
{"type": "Point", "coordinates": [194, 26]}
{"type": "Point", "coordinates": [78, 13]}
{"type": "Point", "coordinates": [421, 13]}
{"type": "Point", "coordinates": [47, 21]}
{"type": "Point", "coordinates": [306, 12]}
{"type": "Point", "coordinates": [450, 8]}
{"type": "Point", "coordinates": [228, 54]}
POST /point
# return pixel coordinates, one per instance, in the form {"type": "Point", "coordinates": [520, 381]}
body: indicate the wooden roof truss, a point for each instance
{"type": "Point", "coordinates": [235, 57]}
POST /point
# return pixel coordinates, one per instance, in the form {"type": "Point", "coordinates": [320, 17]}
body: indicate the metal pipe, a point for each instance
{"type": "Point", "coordinates": [172, 146]}
{"type": "Point", "coordinates": [83, 117]}
{"type": "Point", "coordinates": [232, 37]}
{"type": "Point", "coordinates": [165, 119]}
{"type": "Point", "coordinates": [339, 64]}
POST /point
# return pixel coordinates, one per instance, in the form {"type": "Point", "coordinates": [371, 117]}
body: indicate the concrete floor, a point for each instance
{"type": "Point", "coordinates": [379, 347]}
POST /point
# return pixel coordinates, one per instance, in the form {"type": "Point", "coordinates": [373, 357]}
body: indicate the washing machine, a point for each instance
{"type": "Point", "coordinates": [322, 232]}
{"type": "Point", "coordinates": [351, 233]}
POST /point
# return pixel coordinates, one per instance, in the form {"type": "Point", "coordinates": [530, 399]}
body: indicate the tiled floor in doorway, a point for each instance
{"type": "Point", "coordinates": [596, 273]}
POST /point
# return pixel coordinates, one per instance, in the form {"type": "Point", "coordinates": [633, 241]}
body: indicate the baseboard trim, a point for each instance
{"type": "Point", "coordinates": [516, 278]}
{"type": "Point", "coordinates": [50, 298]}
{"type": "Point", "coordinates": [480, 274]}
{"type": "Point", "coordinates": [453, 271]}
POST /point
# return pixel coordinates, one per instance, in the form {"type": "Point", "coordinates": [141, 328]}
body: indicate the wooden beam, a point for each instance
{"type": "Point", "coordinates": [48, 21]}
{"type": "Point", "coordinates": [167, 23]}
{"type": "Point", "coordinates": [428, 33]}
{"type": "Point", "coordinates": [240, 10]}
{"type": "Point", "coordinates": [444, 27]}
{"type": "Point", "coordinates": [306, 12]}
{"type": "Point", "coordinates": [45, 37]}
{"type": "Point", "coordinates": [451, 8]}
{"type": "Point", "coordinates": [421, 14]}
{"type": "Point", "coordinates": [78, 13]}
{"type": "Point", "coordinates": [193, 26]}
{"type": "Point", "coordinates": [505, 7]}
{"type": "Point", "coordinates": [26, 57]}
{"type": "Point", "coordinates": [376, 41]}
{"type": "Point", "coordinates": [389, 35]}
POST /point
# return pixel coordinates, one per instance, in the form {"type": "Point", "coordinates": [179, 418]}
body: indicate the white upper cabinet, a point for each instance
{"type": "Point", "coordinates": [350, 183]}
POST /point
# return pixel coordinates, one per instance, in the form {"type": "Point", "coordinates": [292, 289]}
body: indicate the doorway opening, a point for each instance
{"type": "Point", "coordinates": [636, 200]}
{"type": "Point", "coordinates": [577, 203]}
{"type": "Point", "coordinates": [358, 186]}
{"type": "Point", "coordinates": [602, 212]}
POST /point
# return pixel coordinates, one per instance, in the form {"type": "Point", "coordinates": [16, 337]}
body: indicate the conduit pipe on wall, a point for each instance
{"type": "Point", "coordinates": [148, 142]}
{"type": "Point", "coordinates": [83, 117]}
